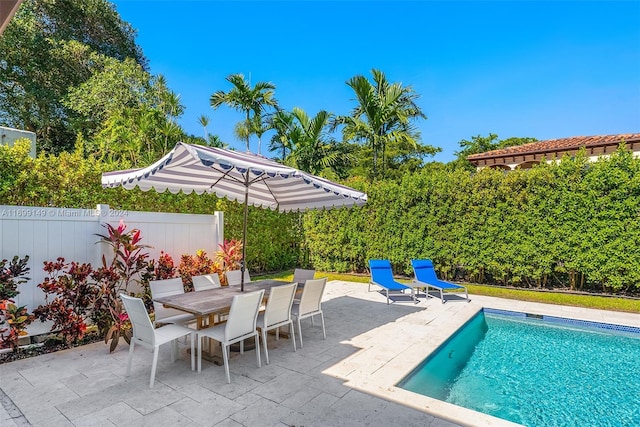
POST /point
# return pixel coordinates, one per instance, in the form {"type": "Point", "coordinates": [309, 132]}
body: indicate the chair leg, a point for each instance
{"type": "Point", "coordinates": [133, 343]}
{"type": "Point", "coordinates": [193, 352]}
{"type": "Point", "coordinates": [174, 350]}
{"type": "Point", "coordinates": [200, 340]}
{"type": "Point", "coordinates": [242, 347]}
{"type": "Point", "coordinates": [258, 350]}
{"type": "Point", "coordinates": [293, 335]}
{"type": "Point", "coordinates": [324, 333]}
{"type": "Point", "coordinates": [154, 365]}
{"type": "Point", "coordinates": [225, 357]}
{"type": "Point", "coordinates": [264, 342]}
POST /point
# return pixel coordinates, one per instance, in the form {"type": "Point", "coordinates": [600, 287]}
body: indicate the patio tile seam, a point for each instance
{"type": "Point", "coordinates": [14, 412]}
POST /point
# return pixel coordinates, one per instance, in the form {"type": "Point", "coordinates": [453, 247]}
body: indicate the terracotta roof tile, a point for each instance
{"type": "Point", "coordinates": [555, 145]}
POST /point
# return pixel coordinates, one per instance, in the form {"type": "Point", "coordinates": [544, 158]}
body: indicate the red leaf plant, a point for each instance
{"type": "Point", "coordinates": [73, 300]}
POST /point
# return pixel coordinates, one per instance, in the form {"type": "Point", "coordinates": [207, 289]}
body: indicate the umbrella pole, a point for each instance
{"type": "Point", "coordinates": [244, 233]}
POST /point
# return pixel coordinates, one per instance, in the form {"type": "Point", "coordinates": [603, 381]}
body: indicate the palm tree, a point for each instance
{"type": "Point", "coordinates": [259, 125]}
{"type": "Point", "coordinates": [204, 121]}
{"type": "Point", "coordinates": [383, 115]}
{"type": "Point", "coordinates": [242, 97]}
{"type": "Point", "coordinates": [314, 149]}
{"type": "Point", "coordinates": [283, 124]}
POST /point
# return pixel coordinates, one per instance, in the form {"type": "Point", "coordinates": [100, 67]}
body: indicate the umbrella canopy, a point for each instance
{"type": "Point", "coordinates": [243, 177]}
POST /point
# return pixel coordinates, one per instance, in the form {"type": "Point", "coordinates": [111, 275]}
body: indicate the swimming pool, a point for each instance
{"type": "Point", "coordinates": [537, 370]}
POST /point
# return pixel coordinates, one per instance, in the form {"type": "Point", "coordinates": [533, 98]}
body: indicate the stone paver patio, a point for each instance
{"type": "Point", "coordinates": [347, 380]}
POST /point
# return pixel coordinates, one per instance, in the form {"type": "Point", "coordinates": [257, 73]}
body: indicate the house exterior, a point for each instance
{"type": "Point", "coordinates": [8, 8]}
{"type": "Point", "coordinates": [526, 155]}
{"type": "Point", "coordinates": [9, 136]}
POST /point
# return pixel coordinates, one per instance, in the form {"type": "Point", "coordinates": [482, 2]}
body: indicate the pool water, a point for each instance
{"type": "Point", "coordinates": [536, 372]}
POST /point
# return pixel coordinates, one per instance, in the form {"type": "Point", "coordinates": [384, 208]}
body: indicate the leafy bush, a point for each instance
{"type": "Point", "coordinates": [73, 298]}
{"type": "Point", "coordinates": [16, 318]}
{"type": "Point", "coordinates": [129, 264]}
{"type": "Point", "coordinates": [196, 266]}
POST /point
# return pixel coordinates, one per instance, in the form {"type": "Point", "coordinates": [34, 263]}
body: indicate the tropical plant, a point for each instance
{"type": "Point", "coordinates": [12, 274]}
{"type": "Point", "coordinates": [73, 300]}
{"type": "Point", "coordinates": [13, 319]}
{"type": "Point", "coordinates": [244, 98]}
{"type": "Point", "coordinates": [282, 122]}
{"type": "Point", "coordinates": [129, 265]}
{"type": "Point", "coordinates": [229, 257]}
{"type": "Point", "coordinates": [17, 318]}
{"type": "Point", "coordinates": [204, 121]}
{"type": "Point", "coordinates": [383, 117]}
{"type": "Point", "coordinates": [196, 266]}
{"type": "Point", "coordinates": [164, 268]}
{"type": "Point", "coordinates": [314, 150]}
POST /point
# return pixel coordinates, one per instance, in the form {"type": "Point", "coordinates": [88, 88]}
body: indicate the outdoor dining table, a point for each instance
{"type": "Point", "coordinates": [211, 302]}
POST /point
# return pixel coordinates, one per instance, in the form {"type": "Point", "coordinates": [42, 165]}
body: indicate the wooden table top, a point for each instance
{"type": "Point", "coordinates": [203, 303]}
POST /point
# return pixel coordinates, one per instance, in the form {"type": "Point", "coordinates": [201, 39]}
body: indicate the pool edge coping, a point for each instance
{"type": "Point", "coordinates": [383, 379]}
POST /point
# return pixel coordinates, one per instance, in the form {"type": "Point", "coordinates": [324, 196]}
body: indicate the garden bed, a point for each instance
{"type": "Point", "coordinates": [51, 345]}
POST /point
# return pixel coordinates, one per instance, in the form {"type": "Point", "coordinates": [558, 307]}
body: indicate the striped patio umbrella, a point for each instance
{"type": "Point", "coordinates": [244, 177]}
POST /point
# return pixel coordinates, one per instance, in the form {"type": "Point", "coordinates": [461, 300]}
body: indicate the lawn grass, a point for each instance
{"type": "Point", "coordinates": [560, 298]}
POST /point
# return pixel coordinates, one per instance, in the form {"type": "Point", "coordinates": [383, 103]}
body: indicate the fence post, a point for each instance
{"type": "Point", "coordinates": [103, 217]}
{"type": "Point", "coordinates": [219, 228]}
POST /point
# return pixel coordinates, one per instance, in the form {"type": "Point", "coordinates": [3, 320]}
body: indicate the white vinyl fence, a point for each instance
{"type": "Point", "coordinates": [48, 233]}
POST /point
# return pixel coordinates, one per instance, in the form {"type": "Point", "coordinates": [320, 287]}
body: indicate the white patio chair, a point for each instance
{"type": "Point", "coordinates": [147, 336]}
{"type": "Point", "coordinates": [165, 288]}
{"type": "Point", "coordinates": [310, 304]}
{"type": "Point", "coordinates": [301, 275]}
{"type": "Point", "coordinates": [206, 281]}
{"type": "Point", "coordinates": [277, 313]}
{"type": "Point", "coordinates": [240, 325]}
{"type": "Point", "coordinates": [235, 276]}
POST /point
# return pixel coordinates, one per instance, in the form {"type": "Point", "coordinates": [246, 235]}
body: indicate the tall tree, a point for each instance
{"type": "Point", "coordinates": [315, 151]}
{"type": "Point", "coordinates": [384, 116]}
{"type": "Point", "coordinates": [133, 114]}
{"type": "Point", "coordinates": [44, 50]}
{"type": "Point", "coordinates": [244, 98]}
{"type": "Point", "coordinates": [282, 122]}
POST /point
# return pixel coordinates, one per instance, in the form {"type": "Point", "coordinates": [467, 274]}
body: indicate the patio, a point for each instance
{"type": "Point", "coordinates": [346, 380]}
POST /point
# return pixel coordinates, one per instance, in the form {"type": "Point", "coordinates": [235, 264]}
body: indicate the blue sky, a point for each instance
{"type": "Point", "coordinates": [514, 68]}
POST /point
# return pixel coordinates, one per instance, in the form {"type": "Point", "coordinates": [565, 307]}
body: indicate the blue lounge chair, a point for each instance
{"type": "Point", "coordinates": [425, 275]}
{"type": "Point", "coordinates": [382, 275]}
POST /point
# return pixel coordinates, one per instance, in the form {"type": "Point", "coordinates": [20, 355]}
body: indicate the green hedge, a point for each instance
{"type": "Point", "coordinates": [573, 224]}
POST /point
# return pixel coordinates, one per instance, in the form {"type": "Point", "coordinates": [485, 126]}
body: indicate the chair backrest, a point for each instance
{"type": "Point", "coordinates": [381, 271]}
{"type": "Point", "coordinates": [142, 327]}
{"type": "Point", "coordinates": [165, 288]}
{"type": "Point", "coordinates": [206, 281]}
{"type": "Point", "coordinates": [278, 308]}
{"type": "Point", "coordinates": [243, 314]}
{"type": "Point", "coordinates": [234, 277]}
{"type": "Point", "coordinates": [424, 271]}
{"type": "Point", "coordinates": [300, 275]}
{"type": "Point", "coordinates": [311, 297]}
